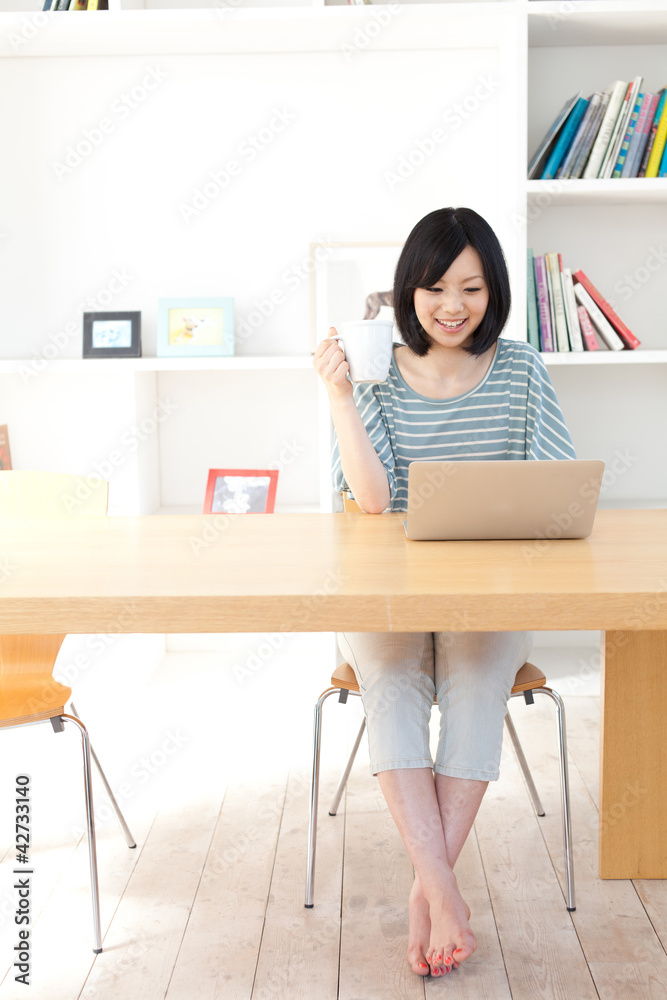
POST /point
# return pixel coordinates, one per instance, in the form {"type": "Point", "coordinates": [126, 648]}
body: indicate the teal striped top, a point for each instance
{"type": "Point", "coordinates": [512, 413]}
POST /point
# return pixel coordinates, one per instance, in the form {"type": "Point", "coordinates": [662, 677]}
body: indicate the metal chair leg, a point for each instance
{"type": "Point", "coordinates": [314, 793]}
{"type": "Point", "coordinates": [333, 808]}
{"type": "Point", "coordinates": [523, 763]}
{"type": "Point", "coordinates": [90, 826]}
{"type": "Point", "coordinates": [565, 793]}
{"type": "Point", "coordinates": [131, 842]}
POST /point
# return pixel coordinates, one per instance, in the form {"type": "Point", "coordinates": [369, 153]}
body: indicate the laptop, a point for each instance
{"type": "Point", "coordinates": [508, 499]}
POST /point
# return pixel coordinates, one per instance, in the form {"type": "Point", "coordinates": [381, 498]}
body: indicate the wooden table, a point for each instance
{"type": "Point", "coordinates": [321, 572]}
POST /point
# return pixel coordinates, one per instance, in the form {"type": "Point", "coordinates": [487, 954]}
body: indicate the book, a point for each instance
{"type": "Point", "coordinates": [618, 92]}
{"type": "Point", "coordinates": [602, 172]}
{"type": "Point", "coordinates": [604, 328]}
{"type": "Point", "coordinates": [553, 264]}
{"type": "Point", "coordinates": [662, 171]}
{"type": "Point", "coordinates": [658, 146]}
{"type": "Point", "coordinates": [533, 322]}
{"type": "Point", "coordinates": [581, 160]}
{"type": "Point", "coordinates": [78, 4]}
{"type": "Point", "coordinates": [617, 136]}
{"type": "Point", "coordinates": [550, 302]}
{"type": "Point", "coordinates": [627, 139]}
{"type": "Point", "coordinates": [573, 326]}
{"type": "Point", "coordinates": [564, 139]}
{"type": "Point", "coordinates": [539, 160]}
{"type": "Point", "coordinates": [543, 313]}
{"type": "Point", "coordinates": [565, 168]}
{"type": "Point", "coordinates": [617, 323]}
{"type": "Point", "coordinates": [640, 136]}
{"type": "Point", "coordinates": [587, 331]}
{"type": "Point", "coordinates": [662, 94]}
{"type": "Point", "coordinates": [5, 454]}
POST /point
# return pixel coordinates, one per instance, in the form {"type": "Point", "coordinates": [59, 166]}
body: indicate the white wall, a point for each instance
{"type": "Point", "coordinates": [111, 229]}
{"type": "Point", "coordinates": [322, 176]}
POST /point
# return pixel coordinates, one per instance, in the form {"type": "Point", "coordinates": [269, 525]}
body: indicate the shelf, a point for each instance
{"type": "Point", "coordinates": [601, 357]}
{"type": "Point", "coordinates": [284, 362]}
{"type": "Point", "coordinates": [344, 30]}
{"type": "Point", "coordinates": [597, 22]}
{"type": "Point", "coordinates": [188, 509]}
{"type": "Point", "coordinates": [622, 191]}
{"type": "Point", "coordinates": [290, 363]}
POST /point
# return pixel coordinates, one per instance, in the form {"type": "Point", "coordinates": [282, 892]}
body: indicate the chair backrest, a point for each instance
{"type": "Point", "coordinates": [25, 494]}
{"type": "Point", "coordinates": [28, 494]}
{"type": "Point", "coordinates": [350, 506]}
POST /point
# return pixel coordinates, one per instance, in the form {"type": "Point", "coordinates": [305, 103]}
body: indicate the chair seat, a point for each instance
{"type": "Point", "coordinates": [27, 699]}
{"type": "Point", "coordinates": [528, 677]}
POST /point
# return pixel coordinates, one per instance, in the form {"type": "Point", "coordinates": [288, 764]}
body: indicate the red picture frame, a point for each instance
{"type": "Point", "coordinates": [237, 496]}
{"type": "Point", "coordinates": [5, 454]}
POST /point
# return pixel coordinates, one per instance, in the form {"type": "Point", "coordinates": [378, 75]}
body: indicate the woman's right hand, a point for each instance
{"type": "Point", "coordinates": [330, 364]}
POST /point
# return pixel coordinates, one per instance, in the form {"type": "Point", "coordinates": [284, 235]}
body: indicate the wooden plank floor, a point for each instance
{"type": "Point", "coordinates": [210, 904]}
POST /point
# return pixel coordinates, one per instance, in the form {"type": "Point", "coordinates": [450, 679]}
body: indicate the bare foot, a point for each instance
{"type": "Point", "coordinates": [452, 940]}
{"type": "Point", "coordinates": [419, 933]}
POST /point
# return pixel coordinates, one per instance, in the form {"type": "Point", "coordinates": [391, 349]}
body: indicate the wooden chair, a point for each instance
{"type": "Point", "coordinates": [529, 681]}
{"type": "Point", "coordinates": [28, 692]}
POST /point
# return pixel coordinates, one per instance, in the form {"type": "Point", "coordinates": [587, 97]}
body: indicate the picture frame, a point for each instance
{"type": "Point", "coordinates": [344, 277]}
{"type": "Point", "coordinates": [195, 327]}
{"type": "Point", "coordinates": [112, 335]}
{"type": "Point", "coordinates": [241, 491]}
{"type": "Point", "coordinates": [5, 453]}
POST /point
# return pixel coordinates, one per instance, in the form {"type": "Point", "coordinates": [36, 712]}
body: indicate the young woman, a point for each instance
{"type": "Point", "coordinates": [454, 391]}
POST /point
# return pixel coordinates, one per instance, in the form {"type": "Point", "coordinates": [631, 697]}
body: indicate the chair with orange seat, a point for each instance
{"type": "Point", "coordinates": [29, 694]}
{"type": "Point", "coordinates": [529, 681]}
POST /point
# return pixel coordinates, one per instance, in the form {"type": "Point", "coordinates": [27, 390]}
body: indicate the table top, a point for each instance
{"type": "Point", "coordinates": [324, 572]}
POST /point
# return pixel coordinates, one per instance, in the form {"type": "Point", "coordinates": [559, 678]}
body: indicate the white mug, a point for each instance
{"type": "Point", "coordinates": [366, 344]}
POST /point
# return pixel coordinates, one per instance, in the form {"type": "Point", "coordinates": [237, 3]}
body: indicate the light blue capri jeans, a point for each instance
{"type": "Point", "coordinates": [468, 674]}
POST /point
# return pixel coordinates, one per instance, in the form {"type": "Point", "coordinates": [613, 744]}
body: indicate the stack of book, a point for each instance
{"type": "Point", "coordinates": [566, 312]}
{"type": "Point", "coordinates": [76, 5]}
{"type": "Point", "coordinates": [619, 132]}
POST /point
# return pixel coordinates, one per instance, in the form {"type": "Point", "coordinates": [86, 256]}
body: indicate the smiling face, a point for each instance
{"type": "Point", "coordinates": [451, 311]}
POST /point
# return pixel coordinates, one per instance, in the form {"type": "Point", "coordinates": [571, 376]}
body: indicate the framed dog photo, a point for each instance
{"type": "Point", "coordinates": [112, 335]}
{"type": "Point", "coordinates": [191, 328]}
{"type": "Point", "coordinates": [241, 491]}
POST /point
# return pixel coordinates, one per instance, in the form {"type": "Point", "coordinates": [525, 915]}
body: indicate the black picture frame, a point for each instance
{"type": "Point", "coordinates": [90, 319]}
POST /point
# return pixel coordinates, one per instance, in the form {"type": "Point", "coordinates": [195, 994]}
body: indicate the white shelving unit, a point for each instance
{"type": "Point", "coordinates": [612, 229]}
{"type": "Point", "coordinates": [622, 191]}
{"type": "Point", "coordinates": [603, 357]}
{"type": "Point", "coordinates": [232, 29]}
{"type": "Point", "coordinates": [380, 77]}
{"type": "Point", "coordinates": [345, 71]}
{"type": "Point", "coordinates": [125, 365]}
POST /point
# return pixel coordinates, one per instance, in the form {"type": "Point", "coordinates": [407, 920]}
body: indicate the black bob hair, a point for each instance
{"type": "Point", "coordinates": [429, 251]}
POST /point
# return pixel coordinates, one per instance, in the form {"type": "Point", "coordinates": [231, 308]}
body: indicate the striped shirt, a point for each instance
{"type": "Point", "coordinates": [512, 414]}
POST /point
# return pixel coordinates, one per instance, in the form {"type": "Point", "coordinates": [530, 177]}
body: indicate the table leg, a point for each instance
{"type": "Point", "coordinates": [633, 759]}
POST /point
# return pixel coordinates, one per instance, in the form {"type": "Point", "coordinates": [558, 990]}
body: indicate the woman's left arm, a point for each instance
{"type": "Point", "coordinates": [547, 436]}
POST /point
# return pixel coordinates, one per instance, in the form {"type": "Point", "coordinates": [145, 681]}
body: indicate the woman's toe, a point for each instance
{"type": "Point", "coordinates": [417, 961]}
